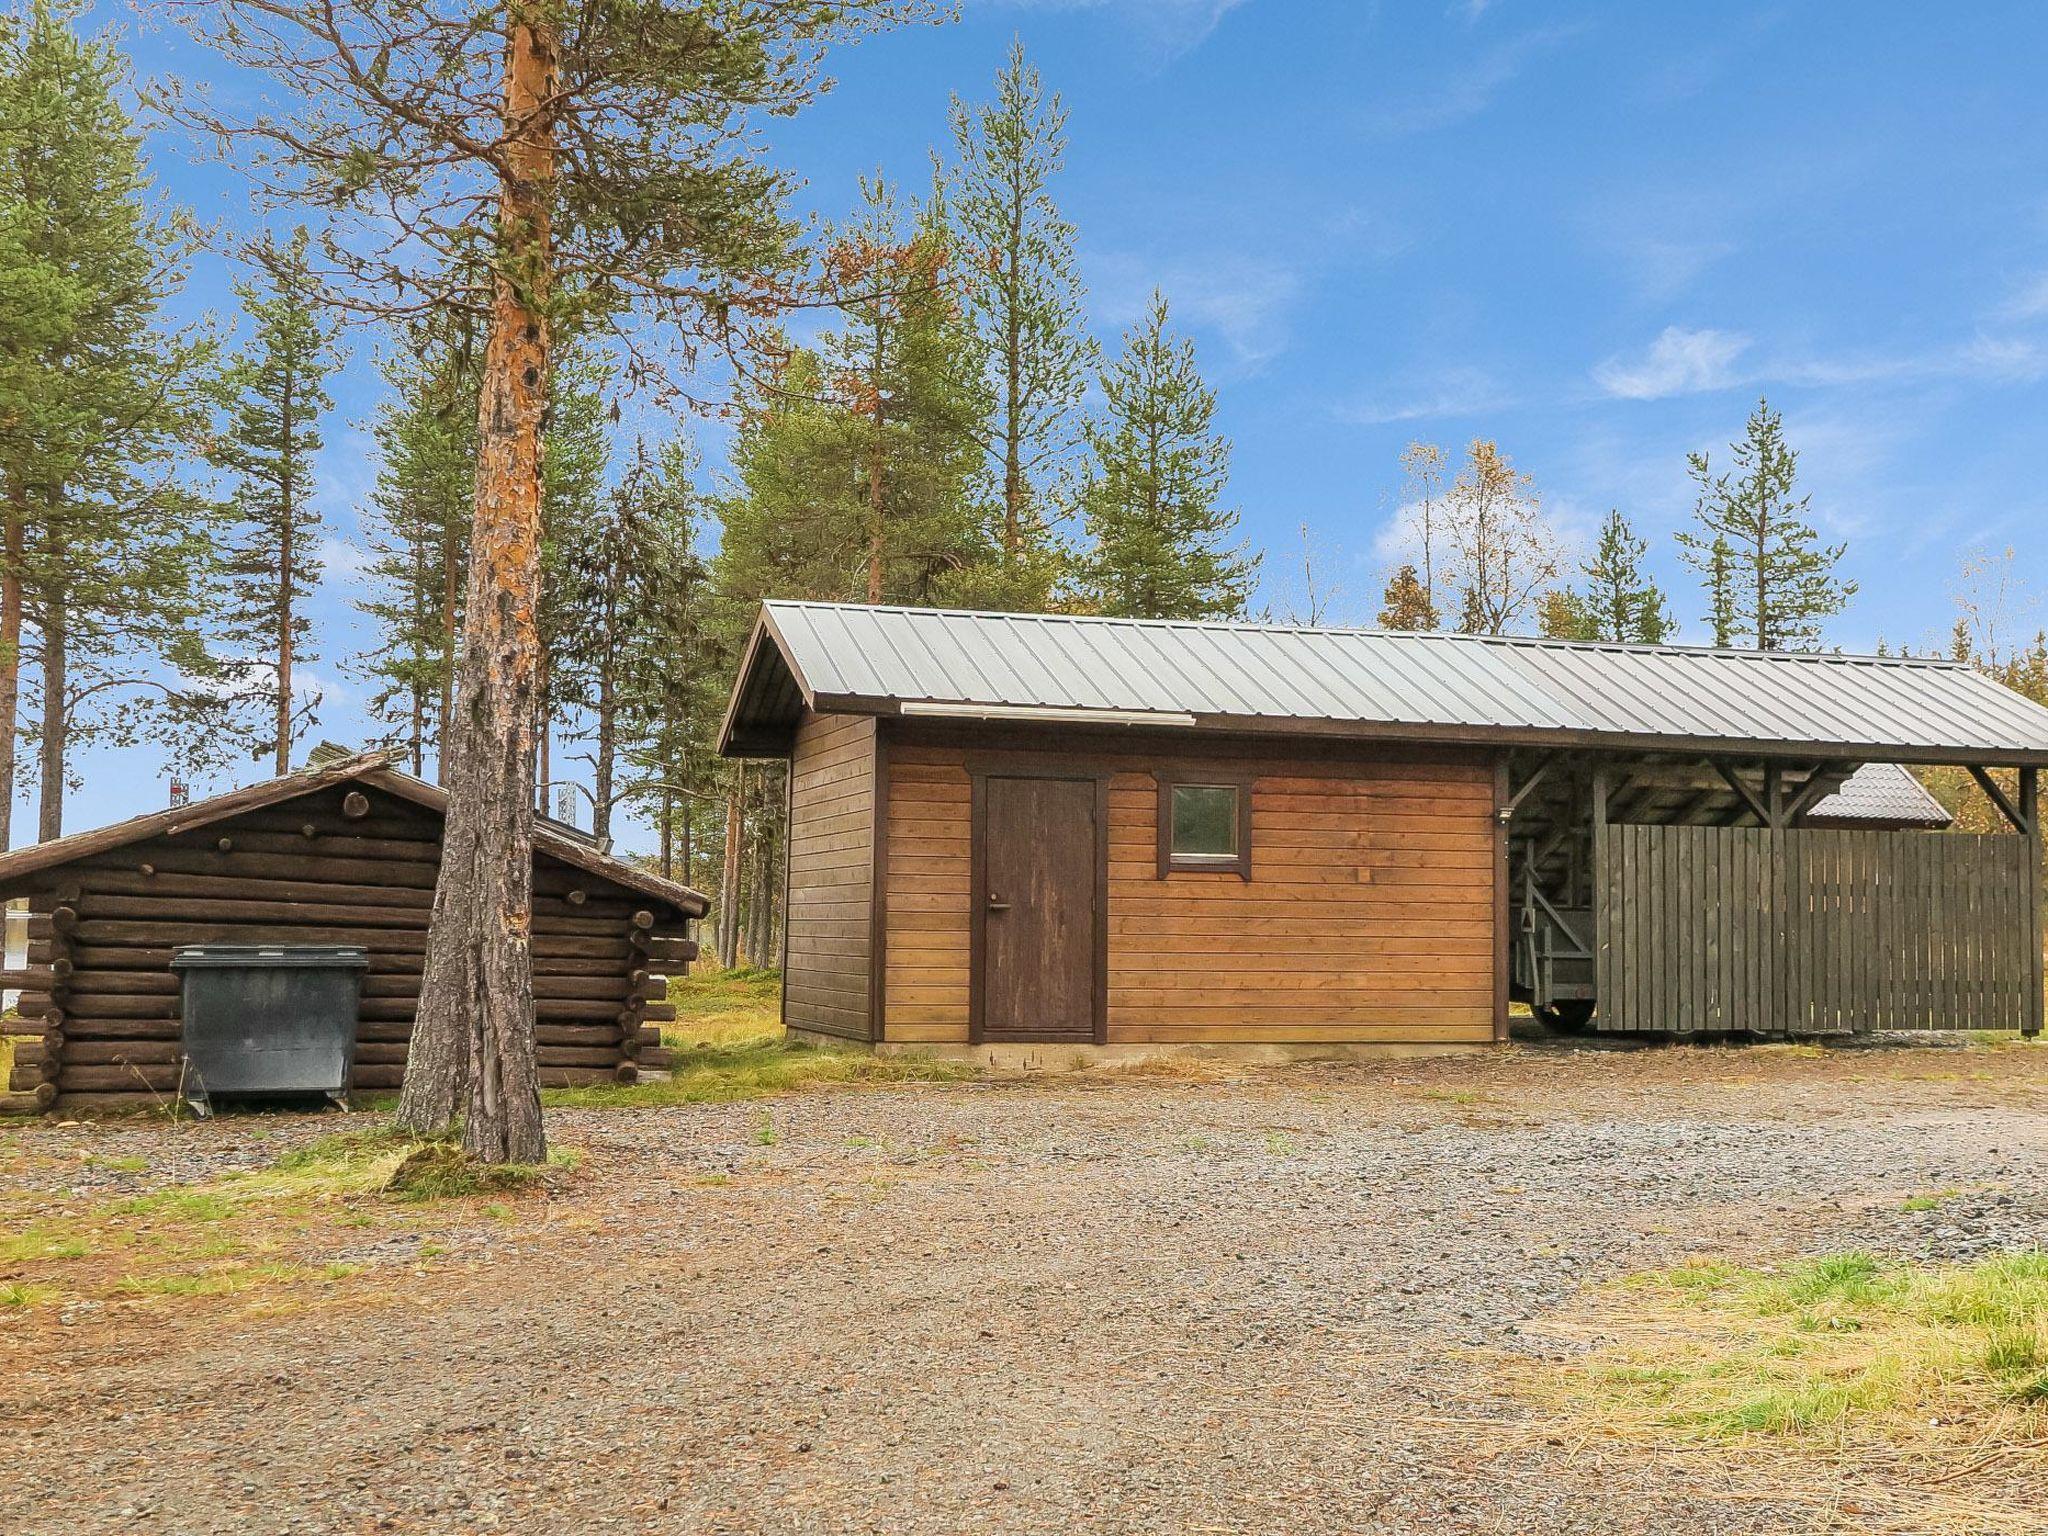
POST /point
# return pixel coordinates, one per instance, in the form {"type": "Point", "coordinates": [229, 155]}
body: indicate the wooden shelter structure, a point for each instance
{"type": "Point", "coordinates": [1084, 831]}
{"type": "Point", "coordinates": [345, 851]}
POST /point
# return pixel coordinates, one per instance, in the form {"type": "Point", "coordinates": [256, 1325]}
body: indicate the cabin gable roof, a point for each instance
{"type": "Point", "coordinates": [372, 770]}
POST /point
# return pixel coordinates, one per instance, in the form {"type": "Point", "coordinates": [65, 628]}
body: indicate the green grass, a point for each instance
{"type": "Point", "coordinates": [1928, 1202]}
{"type": "Point", "coordinates": [15, 1295]}
{"type": "Point", "coordinates": [1841, 1346]}
{"type": "Point", "coordinates": [728, 1045]}
{"type": "Point", "coordinates": [717, 1008]}
{"type": "Point", "coordinates": [759, 1069]}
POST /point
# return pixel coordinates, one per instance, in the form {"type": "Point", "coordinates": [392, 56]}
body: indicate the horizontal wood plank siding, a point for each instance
{"type": "Point", "coordinates": [1368, 917]}
{"type": "Point", "coordinates": [831, 876]}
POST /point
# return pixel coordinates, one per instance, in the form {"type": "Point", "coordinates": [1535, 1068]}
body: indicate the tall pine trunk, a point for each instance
{"type": "Point", "coordinates": [605, 768]}
{"type": "Point", "coordinates": [451, 567]}
{"type": "Point", "coordinates": [476, 998]}
{"type": "Point", "coordinates": [729, 876]}
{"type": "Point", "coordinates": [1013, 386]}
{"type": "Point", "coordinates": [13, 539]}
{"type": "Point", "coordinates": [875, 452]}
{"type": "Point", "coordinates": [56, 680]}
{"type": "Point", "coordinates": [285, 551]}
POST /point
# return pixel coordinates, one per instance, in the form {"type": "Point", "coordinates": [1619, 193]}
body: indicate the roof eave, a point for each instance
{"type": "Point", "coordinates": [733, 740]}
{"type": "Point", "coordinates": [1427, 733]}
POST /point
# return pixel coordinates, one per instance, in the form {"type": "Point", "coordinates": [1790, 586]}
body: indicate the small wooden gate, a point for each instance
{"type": "Point", "coordinates": [1810, 932]}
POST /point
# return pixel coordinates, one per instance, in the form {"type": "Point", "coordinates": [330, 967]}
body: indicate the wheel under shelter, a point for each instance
{"type": "Point", "coordinates": [1724, 895]}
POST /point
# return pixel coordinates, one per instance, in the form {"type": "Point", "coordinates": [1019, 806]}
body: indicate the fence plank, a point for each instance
{"type": "Point", "coordinates": [1813, 931]}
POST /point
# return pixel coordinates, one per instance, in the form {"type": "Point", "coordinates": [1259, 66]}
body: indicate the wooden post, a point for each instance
{"type": "Point", "coordinates": [2030, 816]}
{"type": "Point", "coordinates": [1503, 812]}
{"type": "Point", "coordinates": [1603, 965]}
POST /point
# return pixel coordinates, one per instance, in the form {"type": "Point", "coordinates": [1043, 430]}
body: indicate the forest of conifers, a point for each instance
{"type": "Point", "coordinates": [917, 411]}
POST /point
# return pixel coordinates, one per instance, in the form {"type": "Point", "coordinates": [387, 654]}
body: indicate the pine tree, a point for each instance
{"type": "Point", "coordinates": [1405, 603]}
{"type": "Point", "coordinates": [855, 462]}
{"type": "Point", "coordinates": [270, 562]}
{"type": "Point", "coordinates": [1772, 581]}
{"type": "Point", "coordinates": [791, 522]}
{"type": "Point", "coordinates": [1720, 592]}
{"type": "Point", "coordinates": [1025, 297]}
{"type": "Point", "coordinates": [904, 376]}
{"type": "Point", "coordinates": [418, 531]}
{"type": "Point", "coordinates": [576, 462]}
{"type": "Point", "coordinates": [673, 713]}
{"type": "Point", "coordinates": [632, 584]}
{"type": "Point", "coordinates": [600, 164]}
{"type": "Point", "coordinates": [1620, 603]}
{"type": "Point", "coordinates": [1151, 495]}
{"type": "Point", "coordinates": [105, 551]}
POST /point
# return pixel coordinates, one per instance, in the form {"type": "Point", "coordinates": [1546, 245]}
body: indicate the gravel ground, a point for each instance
{"type": "Point", "coordinates": [1266, 1301]}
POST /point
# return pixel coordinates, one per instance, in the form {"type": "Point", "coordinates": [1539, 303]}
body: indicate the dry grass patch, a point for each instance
{"type": "Point", "coordinates": [729, 1045]}
{"type": "Point", "coordinates": [250, 1229]}
{"type": "Point", "coordinates": [1927, 1384]}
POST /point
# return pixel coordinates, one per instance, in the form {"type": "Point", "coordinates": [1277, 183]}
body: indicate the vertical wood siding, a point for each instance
{"type": "Point", "coordinates": [1369, 915]}
{"type": "Point", "coordinates": [831, 862]}
{"type": "Point", "coordinates": [1815, 932]}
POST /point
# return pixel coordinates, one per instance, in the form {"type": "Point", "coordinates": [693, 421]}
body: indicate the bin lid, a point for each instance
{"type": "Point", "coordinates": [267, 957]}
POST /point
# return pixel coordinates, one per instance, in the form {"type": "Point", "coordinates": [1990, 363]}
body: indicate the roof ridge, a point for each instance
{"type": "Point", "coordinates": [1532, 642]}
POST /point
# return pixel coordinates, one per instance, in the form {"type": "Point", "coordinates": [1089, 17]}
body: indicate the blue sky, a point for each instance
{"type": "Point", "coordinates": [1593, 232]}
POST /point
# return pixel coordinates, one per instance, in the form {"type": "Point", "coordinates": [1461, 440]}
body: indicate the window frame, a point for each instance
{"type": "Point", "coordinates": [1171, 863]}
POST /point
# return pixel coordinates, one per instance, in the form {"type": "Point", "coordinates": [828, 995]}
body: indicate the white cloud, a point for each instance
{"type": "Point", "coordinates": [347, 563]}
{"type": "Point", "coordinates": [1168, 27]}
{"type": "Point", "coordinates": [1679, 362]}
{"type": "Point", "coordinates": [1248, 304]}
{"type": "Point", "coordinates": [1465, 92]}
{"type": "Point", "coordinates": [2029, 301]}
{"type": "Point", "coordinates": [1460, 391]}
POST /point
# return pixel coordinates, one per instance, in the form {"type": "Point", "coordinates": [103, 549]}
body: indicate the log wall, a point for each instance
{"type": "Point", "coordinates": [829, 943]}
{"type": "Point", "coordinates": [1370, 915]}
{"type": "Point", "coordinates": [342, 865]}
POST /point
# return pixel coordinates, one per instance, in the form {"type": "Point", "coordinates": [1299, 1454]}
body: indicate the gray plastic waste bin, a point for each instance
{"type": "Point", "coordinates": [269, 1020]}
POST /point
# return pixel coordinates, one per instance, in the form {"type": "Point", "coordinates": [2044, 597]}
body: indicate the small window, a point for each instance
{"type": "Point", "coordinates": [1204, 826]}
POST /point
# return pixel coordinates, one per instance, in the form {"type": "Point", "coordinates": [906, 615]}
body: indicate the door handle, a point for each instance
{"type": "Point", "coordinates": [997, 906]}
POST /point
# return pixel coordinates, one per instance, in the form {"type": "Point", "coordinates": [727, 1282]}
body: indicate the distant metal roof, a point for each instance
{"type": "Point", "coordinates": [1417, 687]}
{"type": "Point", "coordinates": [1878, 794]}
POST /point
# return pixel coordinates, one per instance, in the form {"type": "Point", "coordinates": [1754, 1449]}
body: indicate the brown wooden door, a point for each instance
{"type": "Point", "coordinates": [1041, 858]}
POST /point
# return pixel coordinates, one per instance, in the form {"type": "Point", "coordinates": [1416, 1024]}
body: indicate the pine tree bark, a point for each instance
{"type": "Point", "coordinates": [56, 681]}
{"type": "Point", "coordinates": [13, 538]}
{"type": "Point", "coordinates": [444, 733]}
{"type": "Point", "coordinates": [605, 768]}
{"type": "Point", "coordinates": [285, 550]}
{"type": "Point", "coordinates": [729, 876]}
{"type": "Point", "coordinates": [478, 983]}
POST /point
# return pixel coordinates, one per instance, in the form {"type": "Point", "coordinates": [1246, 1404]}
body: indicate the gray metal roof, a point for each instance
{"type": "Point", "coordinates": [1418, 687]}
{"type": "Point", "coordinates": [1878, 794]}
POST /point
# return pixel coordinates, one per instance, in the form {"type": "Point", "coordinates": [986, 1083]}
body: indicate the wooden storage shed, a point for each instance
{"type": "Point", "coordinates": [343, 852]}
{"type": "Point", "coordinates": [1097, 832]}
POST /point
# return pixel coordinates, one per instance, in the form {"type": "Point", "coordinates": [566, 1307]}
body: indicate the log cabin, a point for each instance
{"type": "Point", "coordinates": [345, 851]}
{"type": "Point", "coordinates": [1089, 834]}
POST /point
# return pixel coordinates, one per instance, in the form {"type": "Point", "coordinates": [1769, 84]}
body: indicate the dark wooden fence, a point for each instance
{"type": "Point", "coordinates": [1811, 932]}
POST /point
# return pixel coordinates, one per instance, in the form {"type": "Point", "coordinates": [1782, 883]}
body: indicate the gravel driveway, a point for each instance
{"type": "Point", "coordinates": [1268, 1301]}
